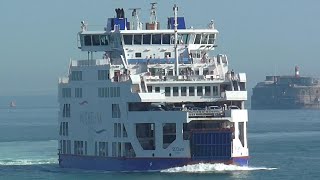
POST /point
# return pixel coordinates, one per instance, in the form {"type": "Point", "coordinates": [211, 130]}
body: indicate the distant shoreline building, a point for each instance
{"type": "Point", "coordinates": [287, 92]}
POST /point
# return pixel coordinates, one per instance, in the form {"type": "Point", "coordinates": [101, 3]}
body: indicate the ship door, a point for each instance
{"type": "Point", "coordinates": [211, 146]}
{"type": "Point", "coordinates": [116, 76]}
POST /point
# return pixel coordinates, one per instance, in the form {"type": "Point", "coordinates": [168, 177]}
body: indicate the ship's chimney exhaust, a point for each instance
{"type": "Point", "coordinates": [296, 72]}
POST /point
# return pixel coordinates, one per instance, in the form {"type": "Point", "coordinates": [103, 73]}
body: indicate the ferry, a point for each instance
{"type": "Point", "coordinates": [156, 98]}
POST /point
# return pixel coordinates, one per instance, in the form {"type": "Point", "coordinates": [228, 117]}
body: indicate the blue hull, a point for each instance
{"type": "Point", "coordinates": [134, 164]}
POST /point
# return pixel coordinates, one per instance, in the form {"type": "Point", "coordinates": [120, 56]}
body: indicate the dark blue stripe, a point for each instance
{"type": "Point", "coordinates": [133, 164]}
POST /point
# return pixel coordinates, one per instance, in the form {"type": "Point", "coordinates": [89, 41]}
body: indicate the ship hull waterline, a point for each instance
{"type": "Point", "coordinates": [137, 164]}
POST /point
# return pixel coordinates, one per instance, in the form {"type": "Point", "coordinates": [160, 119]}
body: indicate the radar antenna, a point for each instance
{"type": "Point", "coordinates": [135, 22]}
{"type": "Point", "coordinates": [153, 15]}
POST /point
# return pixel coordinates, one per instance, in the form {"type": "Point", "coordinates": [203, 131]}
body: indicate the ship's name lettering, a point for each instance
{"type": "Point", "coordinates": [90, 118]}
{"type": "Point", "coordinates": [177, 149]}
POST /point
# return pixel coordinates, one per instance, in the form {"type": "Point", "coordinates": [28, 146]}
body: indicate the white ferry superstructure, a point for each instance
{"type": "Point", "coordinates": [156, 99]}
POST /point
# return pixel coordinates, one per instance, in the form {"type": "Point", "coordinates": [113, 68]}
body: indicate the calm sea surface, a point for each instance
{"type": "Point", "coordinates": [283, 145]}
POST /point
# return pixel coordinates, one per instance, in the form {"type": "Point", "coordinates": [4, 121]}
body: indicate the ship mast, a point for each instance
{"type": "Point", "coordinates": [153, 15]}
{"type": "Point", "coordinates": [175, 10]}
{"type": "Point", "coordinates": [135, 23]}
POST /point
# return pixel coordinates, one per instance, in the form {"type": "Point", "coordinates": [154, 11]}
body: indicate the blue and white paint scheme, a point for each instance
{"type": "Point", "coordinates": [158, 98]}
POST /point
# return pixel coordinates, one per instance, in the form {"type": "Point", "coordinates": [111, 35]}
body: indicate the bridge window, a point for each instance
{"type": "Point", "coordinates": [198, 38]}
{"type": "Point", "coordinates": [147, 39]}
{"type": "Point", "coordinates": [166, 39]}
{"type": "Point", "coordinates": [191, 91]}
{"type": "Point", "coordinates": [211, 38]}
{"type": "Point", "coordinates": [127, 39]}
{"type": "Point", "coordinates": [183, 91]}
{"type": "Point", "coordinates": [185, 38]}
{"type": "Point", "coordinates": [137, 39]}
{"type": "Point", "coordinates": [169, 134]}
{"type": "Point", "coordinates": [175, 91]}
{"type": "Point", "coordinates": [204, 39]}
{"type": "Point", "coordinates": [104, 40]}
{"type": "Point", "coordinates": [95, 40]}
{"type": "Point", "coordinates": [87, 40]}
{"type": "Point", "coordinates": [156, 39]}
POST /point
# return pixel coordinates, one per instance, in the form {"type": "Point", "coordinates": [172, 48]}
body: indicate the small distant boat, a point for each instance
{"type": "Point", "coordinates": [12, 104]}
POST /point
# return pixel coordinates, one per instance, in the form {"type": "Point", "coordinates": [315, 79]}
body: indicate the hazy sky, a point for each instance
{"type": "Point", "coordinates": [38, 37]}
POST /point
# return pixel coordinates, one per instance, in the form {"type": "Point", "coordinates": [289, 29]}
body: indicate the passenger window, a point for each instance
{"type": "Point", "coordinates": [191, 91]}
{"type": "Point", "coordinates": [138, 55]}
{"type": "Point", "coordinates": [183, 91]}
{"type": "Point", "coordinates": [167, 91]}
{"type": "Point", "coordinates": [147, 39]}
{"type": "Point", "coordinates": [207, 91]}
{"type": "Point", "coordinates": [199, 91]}
{"type": "Point", "coordinates": [167, 54]}
{"type": "Point", "coordinates": [175, 91]}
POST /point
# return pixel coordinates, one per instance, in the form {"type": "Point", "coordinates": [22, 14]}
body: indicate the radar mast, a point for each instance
{"type": "Point", "coordinates": [135, 23]}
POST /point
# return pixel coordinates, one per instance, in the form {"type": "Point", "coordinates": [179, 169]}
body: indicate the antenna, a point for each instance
{"type": "Point", "coordinates": [135, 23]}
{"type": "Point", "coordinates": [175, 10]}
{"type": "Point", "coordinates": [153, 15]}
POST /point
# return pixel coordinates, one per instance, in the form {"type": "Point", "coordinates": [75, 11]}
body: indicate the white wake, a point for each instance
{"type": "Point", "coordinates": [209, 168]}
{"type": "Point", "coordinates": [24, 162]}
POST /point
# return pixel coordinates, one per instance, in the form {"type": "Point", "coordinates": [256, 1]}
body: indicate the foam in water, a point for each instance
{"type": "Point", "coordinates": [207, 168]}
{"type": "Point", "coordinates": [23, 162]}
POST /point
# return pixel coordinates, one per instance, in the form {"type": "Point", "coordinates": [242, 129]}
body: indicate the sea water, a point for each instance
{"type": "Point", "coordinates": [283, 144]}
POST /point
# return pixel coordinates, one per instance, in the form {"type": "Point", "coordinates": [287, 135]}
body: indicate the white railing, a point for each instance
{"type": "Point", "coordinates": [185, 78]}
{"type": "Point", "coordinates": [94, 62]}
{"type": "Point", "coordinates": [236, 95]}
